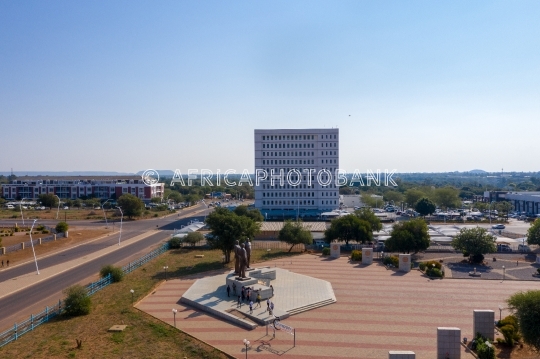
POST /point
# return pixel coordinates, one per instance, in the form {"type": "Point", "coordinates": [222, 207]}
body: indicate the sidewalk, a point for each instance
{"type": "Point", "coordinates": [19, 283]}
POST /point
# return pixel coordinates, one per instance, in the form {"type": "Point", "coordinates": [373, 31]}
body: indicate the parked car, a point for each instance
{"type": "Point", "coordinates": [503, 248]}
{"type": "Point", "coordinates": [524, 248]}
{"type": "Point", "coordinates": [66, 207]}
{"type": "Point", "coordinates": [498, 226]}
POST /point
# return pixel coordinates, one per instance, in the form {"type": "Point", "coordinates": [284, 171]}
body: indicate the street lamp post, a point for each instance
{"type": "Point", "coordinates": [121, 219]}
{"type": "Point", "coordinates": [132, 295]}
{"type": "Point", "coordinates": [246, 343]}
{"type": "Point", "coordinates": [32, 243]}
{"type": "Point", "coordinates": [174, 311]}
{"type": "Point", "coordinates": [104, 214]}
{"type": "Point", "coordinates": [500, 312]}
{"type": "Point", "coordinates": [504, 272]}
{"type": "Point", "coordinates": [490, 203]}
{"type": "Point", "coordinates": [20, 207]}
{"type": "Point", "coordinates": [165, 268]}
{"type": "Point", "coordinates": [58, 208]}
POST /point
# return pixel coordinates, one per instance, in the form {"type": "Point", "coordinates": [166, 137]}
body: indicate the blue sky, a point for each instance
{"type": "Point", "coordinates": [127, 85]}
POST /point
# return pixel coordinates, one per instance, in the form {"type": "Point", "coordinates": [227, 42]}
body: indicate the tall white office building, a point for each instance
{"type": "Point", "coordinates": [295, 172]}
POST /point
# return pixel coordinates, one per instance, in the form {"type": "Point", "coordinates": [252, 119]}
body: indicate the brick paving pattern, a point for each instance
{"type": "Point", "coordinates": [377, 310]}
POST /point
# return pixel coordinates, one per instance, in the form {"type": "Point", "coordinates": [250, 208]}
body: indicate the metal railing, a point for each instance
{"type": "Point", "coordinates": [27, 244]}
{"type": "Point", "coordinates": [49, 313]}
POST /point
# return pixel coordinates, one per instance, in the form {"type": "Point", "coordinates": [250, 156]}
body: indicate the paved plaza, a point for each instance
{"type": "Point", "coordinates": [377, 310]}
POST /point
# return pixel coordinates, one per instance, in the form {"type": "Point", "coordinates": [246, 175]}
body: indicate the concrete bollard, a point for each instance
{"type": "Point", "coordinates": [401, 355]}
{"type": "Point", "coordinates": [405, 263]}
{"type": "Point", "coordinates": [484, 323]}
{"type": "Point", "coordinates": [367, 255]}
{"type": "Point", "coordinates": [448, 343]}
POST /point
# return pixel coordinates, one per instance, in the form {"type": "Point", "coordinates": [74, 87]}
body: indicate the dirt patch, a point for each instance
{"type": "Point", "coordinates": [76, 236]}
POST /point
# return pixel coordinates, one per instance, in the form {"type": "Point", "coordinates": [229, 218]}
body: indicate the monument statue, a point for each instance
{"type": "Point", "coordinates": [243, 261]}
{"type": "Point", "coordinates": [248, 252]}
{"type": "Point", "coordinates": [237, 250]}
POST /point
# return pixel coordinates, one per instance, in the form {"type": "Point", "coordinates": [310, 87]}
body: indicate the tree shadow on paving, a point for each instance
{"type": "Point", "coordinates": [466, 268]}
{"type": "Point", "coordinates": [194, 269]}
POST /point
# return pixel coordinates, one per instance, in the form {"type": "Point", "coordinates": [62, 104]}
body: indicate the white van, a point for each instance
{"type": "Point", "coordinates": [9, 206]}
{"type": "Point", "coordinates": [524, 248]}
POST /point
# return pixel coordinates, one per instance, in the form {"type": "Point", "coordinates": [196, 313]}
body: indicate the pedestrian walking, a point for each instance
{"type": "Point", "coordinates": [228, 291]}
{"type": "Point", "coordinates": [234, 288]}
{"type": "Point", "coordinates": [8, 262]}
{"type": "Point", "coordinates": [243, 295]}
{"type": "Point", "coordinates": [250, 307]}
{"type": "Point", "coordinates": [272, 289]}
{"type": "Point", "coordinates": [239, 304]}
{"type": "Point", "coordinates": [249, 293]}
{"type": "Point", "coordinates": [268, 305]}
{"type": "Point", "coordinates": [259, 299]}
{"type": "Point", "coordinates": [2, 262]}
{"type": "Point", "coordinates": [271, 308]}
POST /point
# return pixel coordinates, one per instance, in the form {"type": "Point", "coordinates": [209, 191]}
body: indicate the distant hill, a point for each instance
{"type": "Point", "coordinates": [477, 171]}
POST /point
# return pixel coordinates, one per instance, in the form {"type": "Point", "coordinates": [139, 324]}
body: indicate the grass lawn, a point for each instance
{"type": "Point", "coordinates": [72, 214]}
{"type": "Point", "coordinates": [145, 336]}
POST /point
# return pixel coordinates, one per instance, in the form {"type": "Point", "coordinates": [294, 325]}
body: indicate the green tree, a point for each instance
{"type": "Point", "coordinates": [533, 234]}
{"type": "Point", "coordinates": [131, 206]}
{"type": "Point", "coordinates": [367, 214]}
{"type": "Point", "coordinates": [347, 228]}
{"type": "Point", "coordinates": [61, 227]}
{"type": "Point", "coordinates": [409, 236]}
{"type": "Point", "coordinates": [447, 197]}
{"type": "Point", "coordinates": [293, 233]}
{"type": "Point", "coordinates": [156, 200]}
{"type": "Point", "coordinates": [193, 238]}
{"type": "Point", "coordinates": [77, 301]}
{"type": "Point", "coordinates": [504, 208]}
{"type": "Point", "coordinates": [424, 206]}
{"type": "Point", "coordinates": [413, 195]}
{"type": "Point", "coordinates": [252, 213]}
{"type": "Point", "coordinates": [48, 200]}
{"type": "Point", "coordinates": [368, 200]}
{"type": "Point", "coordinates": [474, 241]}
{"type": "Point", "coordinates": [526, 306]}
{"type": "Point", "coordinates": [227, 227]}
{"type": "Point", "coordinates": [393, 196]}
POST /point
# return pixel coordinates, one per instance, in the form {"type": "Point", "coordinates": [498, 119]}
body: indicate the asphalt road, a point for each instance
{"type": "Point", "coordinates": [19, 305]}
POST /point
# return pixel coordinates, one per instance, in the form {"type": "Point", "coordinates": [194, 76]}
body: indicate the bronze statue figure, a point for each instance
{"type": "Point", "coordinates": [248, 252]}
{"type": "Point", "coordinates": [243, 261]}
{"type": "Point", "coordinates": [237, 249]}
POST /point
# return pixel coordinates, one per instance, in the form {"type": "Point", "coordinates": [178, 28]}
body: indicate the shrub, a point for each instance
{"type": "Point", "coordinates": [44, 231]}
{"type": "Point", "coordinates": [77, 301]}
{"type": "Point", "coordinates": [434, 272]}
{"type": "Point", "coordinates": [356, 255]}
{"type": "Point", "coordinates": [326, 251]}
{"type": "Point", "coordinates": [391, 260]}
{"type": "Point", "coordinates": [466, 254]}
{"type": "Point", "coordinates": [485, 351]}
{"type": "Point", "coordinates": [433, 264]}
{"type": "Point", "coordinates": [422, 266]}
{"type": "Point", "coordinates": [41, 227]}
{"type": "Point", "coordinates": [61, 227]}
{"type": "Point", "coordinates": [175, 243]}
{"type": "Point", "coordinates": [509, 329]}
{"type": "Point", "coordinates": [116, 272]}
{"type": "Point", "coordinates": [193, 238]}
